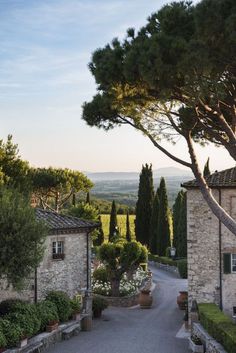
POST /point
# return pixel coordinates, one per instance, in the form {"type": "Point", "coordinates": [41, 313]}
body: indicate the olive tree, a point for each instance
{"type": "Point", "coordinates": [121, 257]}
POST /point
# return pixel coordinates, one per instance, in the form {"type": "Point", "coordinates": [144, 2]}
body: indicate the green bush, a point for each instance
{"type": "Point", "coordinates": [3, 341]}
{"type": "Point", "coordinates": [6, 306]}
{"type": "Point", "coordinates": [76, 304]}
{"type": "Point", "coordinates": [218, 325]}
{"type": "Point", "coordinates": [47, 311]}
{"type": "Point", "coordinates": [25, 315]}
{"type": "Point", "coordinates": [183, 268]}
{"type": "Point", "coordinates": [12, 332]}
{"type": "Point", "coordinates": [162, 260]}
{"type": "Point", "coordinates": [100, 274]}
{"type": "Point", "coordinates": [62, 302]}
{"type": "Point", "coordinates": [99, 304]}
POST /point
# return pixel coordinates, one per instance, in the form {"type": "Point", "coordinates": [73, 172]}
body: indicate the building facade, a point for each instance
{"type": "Point", "coordinates": [66, 264]}
{"type": "Point", "coordinates": [211, 246]}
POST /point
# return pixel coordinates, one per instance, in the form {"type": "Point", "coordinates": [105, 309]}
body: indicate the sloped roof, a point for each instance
{"type": "Point", "coordinates": [63, 223]}
{"type": "Point", "coordinates": [224, 179]}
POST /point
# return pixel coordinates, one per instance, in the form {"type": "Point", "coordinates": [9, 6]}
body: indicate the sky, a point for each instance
{"type": "Point", "coordinates": [46, 46]}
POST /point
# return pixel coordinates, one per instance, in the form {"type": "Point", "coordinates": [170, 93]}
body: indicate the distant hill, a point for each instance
{"type": "Point", "coordinates": [165, 172]}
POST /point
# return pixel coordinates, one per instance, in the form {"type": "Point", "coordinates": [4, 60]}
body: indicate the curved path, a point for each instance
{"type": "Point", "coordinates": [135, 330]}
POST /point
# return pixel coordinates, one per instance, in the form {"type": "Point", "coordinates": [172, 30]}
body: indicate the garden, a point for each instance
{"type": "Point", "coordinates": [20, 320]}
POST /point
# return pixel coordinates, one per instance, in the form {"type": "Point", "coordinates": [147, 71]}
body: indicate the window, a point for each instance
{"type": "Point", "coordinates": [58, 250]}
{"type": "Point", "coordinates": [233, 262]}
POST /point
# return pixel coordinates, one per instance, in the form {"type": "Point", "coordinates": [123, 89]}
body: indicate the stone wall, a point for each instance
{"type": "Point", "coordinates": [203, 250]}
{"type": "Point", "coordinates": [210, 345]}
{"type": "Point", "coordinates": [124, 302]}
{"type": "Point", "coordinates": [68, 275]}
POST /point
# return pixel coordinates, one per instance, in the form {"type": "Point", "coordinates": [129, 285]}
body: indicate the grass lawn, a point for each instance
{"type": "Point", "coordinates": [121, 219]}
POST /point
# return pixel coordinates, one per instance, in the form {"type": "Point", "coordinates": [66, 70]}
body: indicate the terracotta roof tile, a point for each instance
{"type": "Point", "coordinates": [225, 178]}
{"type": "Point", "coordinates": [56, 221]}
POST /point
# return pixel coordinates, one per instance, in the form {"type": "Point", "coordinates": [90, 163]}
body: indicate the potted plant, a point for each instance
{"type": "Point", "coordinates": [182, 300]}
{"type": "Point", "coordinates": [99, 304]}
{"type": "Point", "coordinates": [195, 344]}
{"type": "Point", "coordinates": [3, 342]}
{"type": "Point", "coordinates": [76, 304]}
{"type": "Point", "coordinates": [145, 298]}
{"type": "Point", "coordinates": [52, 325]}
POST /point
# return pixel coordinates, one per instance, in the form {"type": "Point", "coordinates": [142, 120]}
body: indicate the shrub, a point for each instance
{"type": "Point", "coordinates": [162, 260]}
{"type": "Point", "coordinates": [47, 311]}
{"type": "Point", "coordinates": [76, 303]}
{"type": "Point", "coordinates": [62, 302]}
{"type": "Point", "coordinates": [100, 274]}
{"type": "Point", "coordinates": [182, 267]}
{"type": "Point", "coordinates": [3, 341]}
{"type": "Point", "coordinates": [218, 325]}
{"type": "Point", "coordinates": [25, 315]}
{"type": "Point", "coordinates": [6, 306]}
{"type": "Point", "coordinates": [99, 304]}
{"type": "Point", "coordinates": [12, 332]}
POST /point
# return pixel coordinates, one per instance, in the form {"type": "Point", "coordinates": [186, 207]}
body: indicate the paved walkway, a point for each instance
{"type": "Point", "coordinates": [135, 330]}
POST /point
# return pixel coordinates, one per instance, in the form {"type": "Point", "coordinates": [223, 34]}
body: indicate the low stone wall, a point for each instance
{"type": "Point", "coordinates": [124, 302]}
{"type": "Point", "coordinates": [210, 344]}
{"type": "Point", "coordinates": [164, 267]}
{"type": "Point", "coordinates": [45, 340]}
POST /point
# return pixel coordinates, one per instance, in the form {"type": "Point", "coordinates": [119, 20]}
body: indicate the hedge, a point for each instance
{"type": "Point", "coordinates": [218, 325]}
{"type": "Point", "coordinates": [163, 260]}
{"type": "Point", "coordinates": [183, 268]}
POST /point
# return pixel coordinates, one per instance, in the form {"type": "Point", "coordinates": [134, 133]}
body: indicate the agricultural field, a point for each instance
{"type": "Point", "coordinates": [121, 219]}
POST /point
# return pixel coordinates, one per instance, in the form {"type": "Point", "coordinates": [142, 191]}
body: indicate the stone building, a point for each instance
{"type": "Point", "coordinates": [211, 246]}
{"type": "Point", "coordinates": [66, 264]}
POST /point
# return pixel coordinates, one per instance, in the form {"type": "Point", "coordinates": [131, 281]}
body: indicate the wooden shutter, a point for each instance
{"type": "Point", "coordinates": [227, 263]}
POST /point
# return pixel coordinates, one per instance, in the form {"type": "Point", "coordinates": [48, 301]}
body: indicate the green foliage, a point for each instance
{"type": "Point", "coordinates": [180, 224]}
{"type": "Point", "coordinates": [113, 221]}
{"type": "Point", "coordinates": [163, 260]}
{"type": "Point", "coordinates": [25, 315]}
{"type": "Point", "coordinates": [154, 223]}
{"type": "Point", "coordinates": [62, 302]}
{"type": "Point", "coordinates": [3, 341]}
{"type": "Point", "coordinates": [47, 311]}
{"type": "Point", "coordinates": [13, 171]}
{"type": "Point", "coordinates": [128, 232]}
{"type": "Point", "coordinates": [218, 325]}
{"type": "Point", "coordinates": [119, 258]}
{"type": "Point", "coordinates": [101, 274]}
{"type": "Point", "coordinates": [76, 303]}
{"type": "Point", "coordinates": [21, 237]}
{"type": "Point", "coordinates": [54, 187]}
{"type": "Point", "coordinates": [163, 226]}
{"type": "Point", "coordinates": [84, 211]}
{"type": "Point", "coordinates": [98, 239]}
{"type": "Point", "coordinates": [98, 303]}
{"type": "Point", "coordinates": [12, 332]}
{"type": "Point", "coordinates": [121, 223]}
{"type": "Point", "coordinates": [6, 306]}
{"type": "Point", "coordinates": [144, 205]}
{"type": "Point", "coordinates": [183, 268]}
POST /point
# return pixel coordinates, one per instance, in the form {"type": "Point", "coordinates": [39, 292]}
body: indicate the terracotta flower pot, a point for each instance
{"type": "Point", "coordinates": [51, 326]}
{"type": "Point", "coordinates": [145, 299]}
{"type": "Point", "coordinates": [182, 300]}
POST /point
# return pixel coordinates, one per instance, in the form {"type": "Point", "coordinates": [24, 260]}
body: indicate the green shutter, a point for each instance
{"type": "Point", "coordinates": [227, 263]}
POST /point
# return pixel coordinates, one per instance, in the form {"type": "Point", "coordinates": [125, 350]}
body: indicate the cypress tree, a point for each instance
{"type": "Point", "coordinates": [206, 170]}
{"type": "Point", "coordinates": [176, 217]}
{"type": "Point", "coordinates": [154, 223]}
{"type": "Point", "coordinates": [113, 221]}
{"type": "Point", "coordinates": [100, 235]}
{"type": "Point", "coordinates": [88, 198]}
{"type": "Point", "coordinates": [128, 232]}
{"type": "Point", "coordinates": [182, 229]}
{"type": "Point", "coordinates": [163, 228]}
{"type": "Point", "coordinates": [144, 205]}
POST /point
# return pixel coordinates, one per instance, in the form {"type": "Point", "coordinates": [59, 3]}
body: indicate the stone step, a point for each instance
{"type": "Point", "coordinates": [73, 330]}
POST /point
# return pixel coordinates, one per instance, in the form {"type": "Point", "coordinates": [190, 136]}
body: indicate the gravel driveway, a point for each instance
{"type": "Point", "coordinates": [135, 330]}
